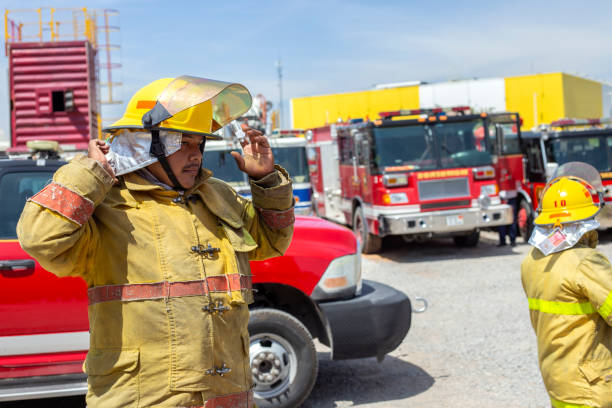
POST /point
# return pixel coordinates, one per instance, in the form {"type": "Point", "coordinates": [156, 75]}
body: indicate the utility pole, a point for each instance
{"type": "Point", "coordinates": [281, 115]}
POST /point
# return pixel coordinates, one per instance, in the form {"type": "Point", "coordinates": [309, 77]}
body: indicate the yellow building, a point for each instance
{"type": "Point", "coordinates": [539, 98]}
{"type": "Point", "coordinates": [313, 111]}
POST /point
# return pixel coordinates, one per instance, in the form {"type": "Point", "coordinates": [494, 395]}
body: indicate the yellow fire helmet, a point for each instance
{"type": "Point", "coordinates": [568, 197]}
{"type": "Point", "coordinates": [185, 104]}
{"type": "Point", "coordinates": [161, 112]}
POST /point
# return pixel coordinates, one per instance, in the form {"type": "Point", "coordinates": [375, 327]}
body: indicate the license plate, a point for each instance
{"type": "Point", "coordinates": [453, 220]}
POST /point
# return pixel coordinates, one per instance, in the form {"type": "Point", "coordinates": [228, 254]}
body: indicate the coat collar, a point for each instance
{"type": "Point", "coordinates": [225, 206]}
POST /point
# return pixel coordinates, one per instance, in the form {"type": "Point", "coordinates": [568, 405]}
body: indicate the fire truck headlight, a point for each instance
{"type": "Point", "coordinates": [395, 198]}
{"type": "Point", "coordinates": [488, 189]}
{"type": "Point", "coordinates": [395, 180]}
{"type": "Point", "coordinates": [484, 201]}
{"type": "Point", "coordinates": [342, 279]}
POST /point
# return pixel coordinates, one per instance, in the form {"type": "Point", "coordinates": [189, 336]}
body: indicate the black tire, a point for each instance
{"type": "Point", "coordinates": [524, 222]}
{"type": "Point", "coordinates": [369, 243]}
{"type": "Point", "coordinates": [469, 240]}
{"type": "Point", "coordinates": [277, 333]}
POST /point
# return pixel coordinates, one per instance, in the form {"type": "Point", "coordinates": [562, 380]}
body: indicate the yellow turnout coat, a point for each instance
{"type": "Point", "coordinates": [169, 278]}
{"type": "Point", "coordinates": [570, 302]}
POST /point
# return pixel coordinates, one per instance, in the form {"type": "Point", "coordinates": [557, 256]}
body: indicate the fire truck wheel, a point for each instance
{"type": "Point", "coordinates": [369, 243]}
{"type": "Point", "coordinates": [283, 359]}
{"type": "Point", "coordinates": [469, 240]}
{"type": "Point", "coordinates": [525, 220]}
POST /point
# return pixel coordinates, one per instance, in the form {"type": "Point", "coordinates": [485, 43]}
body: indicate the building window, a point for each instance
{"type": "Point", "coordinates": [57, 101]}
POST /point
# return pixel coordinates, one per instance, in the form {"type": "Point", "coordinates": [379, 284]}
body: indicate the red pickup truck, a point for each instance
{"type": "Point", "coordinates": [314, 291]}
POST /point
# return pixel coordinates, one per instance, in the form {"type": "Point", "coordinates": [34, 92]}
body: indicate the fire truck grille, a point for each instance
{"type": "Point", "coordinates": [446, 188]}
{"type": "Point", "coordinates": [445, 204]}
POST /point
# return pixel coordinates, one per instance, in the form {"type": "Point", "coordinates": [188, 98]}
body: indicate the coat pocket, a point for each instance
{"type": "Point", "coordinates": [240, 239]}
{"type": "Point", "coordinates": [112, 377]}
{"type": "Point", "coordinates": [596, 370]}
{"type": "Point", "coordinates": [104, 361]}
{"type": "Point", "coordinates": [242, 243]}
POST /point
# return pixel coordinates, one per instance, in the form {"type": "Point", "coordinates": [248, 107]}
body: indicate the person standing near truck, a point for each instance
{"type": "Point", "coordinates": [512, 229]}
{"type": "Point", "coordinates": [164, 247]}
{"type": "Point", "coordinates": [568, 284]}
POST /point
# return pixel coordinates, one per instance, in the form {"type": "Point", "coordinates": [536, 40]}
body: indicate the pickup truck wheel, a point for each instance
{"type": "Point", "coordinates": [369, 243]}
{"type": "Point", "coordinates": [525, 220]}
{"type": "Point", "coordinates": [469, 240]}
{"type": "Point", "coordinates": [283, 359]}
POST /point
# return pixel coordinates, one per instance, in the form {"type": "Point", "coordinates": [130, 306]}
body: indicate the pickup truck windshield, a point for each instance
{"type": "Point", "coordinates": [293, 159]}
{"type": "Point", "coordinates": [594, 150]}
{"type": "Point", "coordinates": [16, 188]}
{"type": "Point", "coordinates": [431, 146]}
{"type": "Point", "coordinates": [224, 167]}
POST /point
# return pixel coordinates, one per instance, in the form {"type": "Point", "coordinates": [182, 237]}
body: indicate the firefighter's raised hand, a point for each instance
{"type": "Point", "coordinates": [97, 151]}
{"type": "Point", "coordinates": [257, 159]}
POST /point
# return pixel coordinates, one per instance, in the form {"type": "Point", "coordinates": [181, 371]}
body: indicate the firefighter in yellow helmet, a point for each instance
{"type": "Point", "coordinates": [568, 284]}
{"type": "Point", "coordinates": [164, 247]}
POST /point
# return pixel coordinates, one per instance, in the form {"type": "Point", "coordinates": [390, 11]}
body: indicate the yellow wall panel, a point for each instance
{"type": "Point", "coordinates": [583, 97]}
{"type": "Point", "coordinates": [537, 98]}
{"type": "Point", "coordinates": [313, 111]}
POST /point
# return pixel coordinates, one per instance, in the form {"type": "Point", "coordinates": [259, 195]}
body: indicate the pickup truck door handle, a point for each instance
{"type": "Point", "coordinates": [17, 267]}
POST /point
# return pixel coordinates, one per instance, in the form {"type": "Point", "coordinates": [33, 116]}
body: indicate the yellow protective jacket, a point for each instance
{"type": "Point", "coordinates": [570, 302]}
{"type": "Point", "coordinates": [185, 329]}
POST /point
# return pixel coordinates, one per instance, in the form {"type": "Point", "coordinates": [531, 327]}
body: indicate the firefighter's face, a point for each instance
{"type": "Point", "coordinates": [185, 163]}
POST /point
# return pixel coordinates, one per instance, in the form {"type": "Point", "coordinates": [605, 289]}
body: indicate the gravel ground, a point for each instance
{"type": "Point", "coordinates": [473, 347]}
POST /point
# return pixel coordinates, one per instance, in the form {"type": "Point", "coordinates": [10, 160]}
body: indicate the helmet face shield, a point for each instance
{"type": "Point", "coordinates": [229, 101]}
{"type": "Point", "coordinates": [581, 171]}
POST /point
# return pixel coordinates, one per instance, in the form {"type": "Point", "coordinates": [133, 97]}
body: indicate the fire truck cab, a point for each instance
{"type": "Point", "coordinates": [565, 140]}
{"type": "Point", "coordinates": [416, 173]}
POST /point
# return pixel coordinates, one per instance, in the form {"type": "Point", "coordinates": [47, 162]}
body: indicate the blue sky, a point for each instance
{"type": "Point", "coordinates": [342, 46]}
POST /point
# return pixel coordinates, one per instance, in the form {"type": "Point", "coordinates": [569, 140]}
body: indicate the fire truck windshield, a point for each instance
{"type": "Point", "coordinates": [224, 167]}
{"type": "Point", "coordinates": [431, 146]}
{"type": "Point", "coordinates": [595, 150]}
{"type": "Point", "coordinates": [293, 159]}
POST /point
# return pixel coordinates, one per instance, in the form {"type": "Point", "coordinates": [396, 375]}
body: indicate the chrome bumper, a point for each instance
{"type": "Point", "coordinates": [449, 221]}
{"type": "Point", "coordinates": [52, 386]}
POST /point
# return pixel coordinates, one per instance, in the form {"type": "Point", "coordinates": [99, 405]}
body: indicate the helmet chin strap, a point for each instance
{"type": "Point", "coordinates": [158, 151]}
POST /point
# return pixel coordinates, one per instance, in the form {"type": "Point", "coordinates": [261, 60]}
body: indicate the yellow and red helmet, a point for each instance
{"type": "Point", "coordinates": [568, 197]}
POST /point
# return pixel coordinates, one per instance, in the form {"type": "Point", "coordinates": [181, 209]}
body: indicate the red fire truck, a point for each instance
{"type": "Point", "coordinates": [415, 173]}
{"type": "Point", "coordinates": [565, 140]}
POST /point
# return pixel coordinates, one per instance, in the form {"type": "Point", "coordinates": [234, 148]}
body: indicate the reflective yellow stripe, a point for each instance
{"type": "Point", "coordinates": [561, 308]}
{"type": "Point", "coordinates": [561, 404]}
{"type": "Point", "coordinates": [606, 308]}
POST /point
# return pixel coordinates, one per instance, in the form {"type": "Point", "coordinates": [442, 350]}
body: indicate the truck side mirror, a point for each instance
{"type": "Point", "coordinates": [499, 139]}
{"type": "Point", "coordinates": [551, 168]}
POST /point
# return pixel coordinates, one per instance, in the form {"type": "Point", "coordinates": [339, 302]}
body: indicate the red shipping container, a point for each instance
{"type": "Point", "coordinates": [53, 91]}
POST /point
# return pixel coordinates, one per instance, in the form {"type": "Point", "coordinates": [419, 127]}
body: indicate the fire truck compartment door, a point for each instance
{"type": "Point", "coordinates": [331, 182]}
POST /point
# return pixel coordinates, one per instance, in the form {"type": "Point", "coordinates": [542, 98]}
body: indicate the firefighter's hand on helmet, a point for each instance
{"type": "Point", "coordinates": [257, 159]}
{"type": "Point", "coordinates": [97, 151]}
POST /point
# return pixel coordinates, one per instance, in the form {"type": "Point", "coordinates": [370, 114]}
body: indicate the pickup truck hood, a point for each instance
{"type": "Point", "coordinates": [315, 244]}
